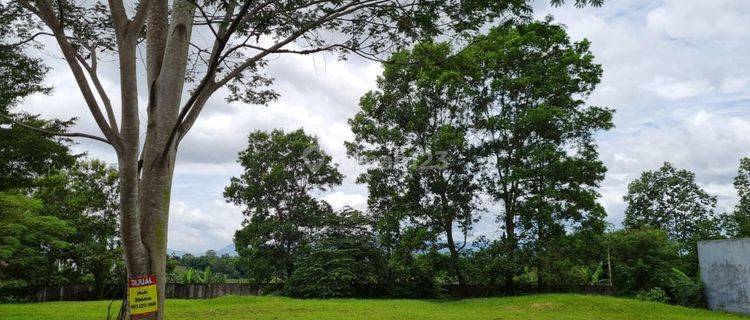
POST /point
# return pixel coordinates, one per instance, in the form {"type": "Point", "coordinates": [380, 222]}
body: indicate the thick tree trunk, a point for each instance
{"type": "Point", "coordinates": [455, 260]}
{"type": "Point", "coordinates": [146, 249]}
{"type": "Point", "coordinates": [510, 237]}
{"type": "Point", "coordinates": [147, 179]}
{"type": "Point", "coordinates": [155, 193]}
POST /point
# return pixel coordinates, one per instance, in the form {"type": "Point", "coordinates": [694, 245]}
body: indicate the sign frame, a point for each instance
{"type": "Point", "coordinates": [142, 296]}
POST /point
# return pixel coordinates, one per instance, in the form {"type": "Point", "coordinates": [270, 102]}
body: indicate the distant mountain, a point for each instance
{"type": "Point", "coordinates": [226, 250]}
{"type": "Point", "coordinates": [230, 250]}
{"type": "Point", "coordinates": [177, 253]}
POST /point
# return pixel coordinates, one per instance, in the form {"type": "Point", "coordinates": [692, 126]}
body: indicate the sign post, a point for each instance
{"type": "Point", "coordinates": [142, 298]}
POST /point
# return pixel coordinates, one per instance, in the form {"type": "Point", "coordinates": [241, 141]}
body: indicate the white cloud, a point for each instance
{"type": "Point", "coordinates": [705, 142]}
{"type": "Point", "coordinates": [699, 20]}
{"type": "Point", "coordinates": [675, 89]}
{"type": "Point", "coordinates": [340, 199]}
{"type": "Point", "coordinates": [196, 230]}
{"type": "Point", "coordinates": [735, 84]}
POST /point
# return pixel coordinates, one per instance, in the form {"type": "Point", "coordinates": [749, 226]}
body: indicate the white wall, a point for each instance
{"type": "Point", "coordinates": [725, 272]}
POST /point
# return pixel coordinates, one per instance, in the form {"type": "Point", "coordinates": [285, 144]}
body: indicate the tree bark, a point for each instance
{"type": "Point", "coordinates": [510, 237]}
{"type": "Point", "coordinates": [146, 175]}
{"type": "Point", "coordinates": [455, 260]}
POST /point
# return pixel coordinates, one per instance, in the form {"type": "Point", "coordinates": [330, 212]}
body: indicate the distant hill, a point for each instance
{"type": "Point", "coordinates": [176, 253]}
{"type": "Point", "coordinates": [230, 250]}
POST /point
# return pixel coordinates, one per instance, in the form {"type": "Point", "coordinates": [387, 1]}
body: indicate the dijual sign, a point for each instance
{"type": "Point", "coordinates": [142, 296]}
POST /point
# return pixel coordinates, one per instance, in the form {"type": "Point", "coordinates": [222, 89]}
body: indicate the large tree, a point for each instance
{"type": "Point", "coordinates": [281, 170]}
{"type": "Point", "coordinates": [536, 133]}
{"type": "Point", "coordinates": [214, 44]}
{"type": "Point", "coordinates": [414, 130]}
{"type": "Point", "coordinates": [670, 199]}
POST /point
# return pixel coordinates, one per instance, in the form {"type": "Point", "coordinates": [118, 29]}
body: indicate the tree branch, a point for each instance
{"type": "Point", "coordinates": [53, 133]}
{"type": "Point", "coordinates": [70, 55]}
{"type": "Point", "coordinates": [91, 70]}
{"type": "Point", "coordinates": [20, 43]}
{"type": "Point", "coordinates": [140, 17]}
{"type": "Point", "coordinates": [119, 16]}
{"type": "Point", "coordinates": [190, 111]}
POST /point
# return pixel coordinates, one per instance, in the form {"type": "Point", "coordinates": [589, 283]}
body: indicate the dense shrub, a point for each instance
{"type": "Point", "coordinates": [686, 291]}
{"type": "Point", "coordinates": [415, 278]}
{"type": "Point", "coordinates": [654, 294]}
{"type": "Point", "coordinates": [336, 268]}
{"type": "Point", "coordinates": [642, 259]}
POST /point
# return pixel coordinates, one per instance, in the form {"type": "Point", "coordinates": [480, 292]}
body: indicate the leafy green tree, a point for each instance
{"type": "Point", "coordinates": [669, 199]}
{"type": "Point", "coordinates": [343, 260]}
{"type": "Point", "coordinates": [281, 170]}
{"type": "Point", "coordinates": [642, 259]}
{"type": "Point", "coordinates": [26, 153]}
{"type": "Point", "coordinates": [535, 131]}
{"type": "Point", "coordinates": [30, 239]}
{"type": "Point", "coordinates": [415, 128]}
{"type": "Point", "coordinates": [736, 224]}
{"type": "Point", "coordinates": [224, 264]}
{"type": "Point", "coordinates": [489, 262]}
{"type": "Point", "coordinates": [28, 242]}
{"type": "Point", "coordinates": [86, 196]}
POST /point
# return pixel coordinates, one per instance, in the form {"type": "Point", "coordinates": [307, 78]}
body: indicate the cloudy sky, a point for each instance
{"type": "Point", "coordinates": [676, 71]}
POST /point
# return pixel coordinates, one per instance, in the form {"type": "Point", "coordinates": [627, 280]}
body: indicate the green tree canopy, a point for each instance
{"type": "Point", "coordinates": [507, 114]}
{"type": "Point", "coordinates": [281, 170]}
{"type": "Point", "coordinates": [26, 154]}
{"type": "Point", "coordinates": [669, 199]}
{"type": "Point", "coordinates": [414, 130]}
{"type": "Point", "coordinates": [536, 132]}
{"type": "Point", "coordinates": [736, 224]}
{"type": "Point", "coordinates": [642, 259]}
{"type": "Point", "coordinates": [86, 197]}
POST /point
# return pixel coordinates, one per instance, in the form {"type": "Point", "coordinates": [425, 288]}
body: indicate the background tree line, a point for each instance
{"type": "Point", "coordinates": [497, 127]}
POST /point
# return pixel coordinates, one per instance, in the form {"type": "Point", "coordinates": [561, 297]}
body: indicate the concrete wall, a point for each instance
{"type": "Point", "coordinates": [725, 271]}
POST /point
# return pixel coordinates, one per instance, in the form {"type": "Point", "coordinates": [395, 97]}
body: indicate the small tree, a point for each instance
{"type": "Point", "coordinates": [341, 260]}
{"type": "Point", "coordinates": [642, 259]}
{"type": "Point", "coordinates": [736, 224]}
{"type": "Point", "coordinates": [281, 171]}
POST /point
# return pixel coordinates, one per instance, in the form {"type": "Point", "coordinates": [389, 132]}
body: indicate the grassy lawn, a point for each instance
{"type": "Point", "coordinates": [557, 306]}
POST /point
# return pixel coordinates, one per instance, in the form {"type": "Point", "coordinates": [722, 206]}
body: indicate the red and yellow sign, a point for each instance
{"type": "Point", "coordinates": [142, 296]}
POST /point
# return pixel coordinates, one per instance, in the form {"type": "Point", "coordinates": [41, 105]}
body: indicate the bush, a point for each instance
{"type": "Point", "coordinates": [654, 295]}
{"type": "Point", "coordinates": [192, 276]}
{"type": "Point", "coordinates": [685, 291]}
{"type": "Point", "coordinates": [642, 259]}
{"type": "Point", "coordinates": [413, 279]}
{"type": "Point", "coordinates": [335, 268]}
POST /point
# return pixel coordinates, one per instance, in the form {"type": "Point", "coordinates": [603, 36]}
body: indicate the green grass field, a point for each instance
{"type": "Point", "coordinates": [556, 306]}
